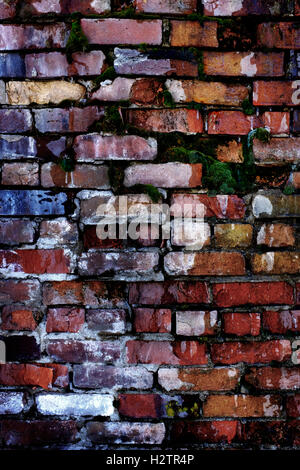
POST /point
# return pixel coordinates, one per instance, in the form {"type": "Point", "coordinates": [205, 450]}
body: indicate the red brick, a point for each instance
{"type": "Point", "coordinates": [249, 64]}
{"type": "Point", "coordinates": [231, 122]}
{"type": "Point", "coordinates": [47, 64]}
{"type": "Point", "coordinates": [168, 6]}
{"type": "Point", "coordinates": [168, 292]}
{"type": "Point", "coordinates": [251, 352]}
{"type": "Point", "coordinates": [87, 63]}
{"type": "Point", "coordinates": [25, 174]}
{"type": "Point", "coordinates": [184, 120]}
{"type": "Point", "coordinates": [198, 379]}
{"type": "Point", "coordinates": [140, 406]}
{"type": "Point", "coordinates": [278, 433]}
{"type": "Point", "coordinates": [37, 433]}
{"type": "Point", "coordinates": [32, 37]}
{"type": "Point", "coordinates": [276, 93]}
{"type": "Point", "coordinates": [244, 8]}
{"type": "Point", "coordinates": [91, 147]}
{"type": "Point", "coordinates": [13, 232]}
{"type": "Point", "coordinates": [91, 240]}
{"type": "Point", "coordinates": [278, 122]}
{"type": "Point", "coordinates": [109, 264]}
{"type": "Point", "coordinates": [231, 207]}
{"type": "Point", "coordinates": [276, 235]}
{"type": "Point", "coordinates": [271, 378]}
{"type": "Point", "coordinates": [282, 321]}
{"type": "Point", "coordinates": [60, 375]}
{"type": "Point", "coordinates": [261, 293]}
{"type": "Point", "coordinates": [64, 319]}
{"type": "Point", "coordinates": [85, 7]}
{"type": "Point", "coordinates": [26, 374]}
{"type": "Point", "coordinates": [278, 35]}
{"type": "Point", "coordinates": [8, 9]}
{"type": "Point", "coordinates": [122, 31]}
{"type": "Point", "coordinates": [241, 324]}
{"type": "Point", "coordinates": [278, 150]}
{"type": "Point", "coordinates": [83, 176]}
{"type": "Point", "coordinates": [165, 175]}
{"type": "Point", "coordinates": [204, 264]}
{"type": "Point", "coordinates": [16, 317]}
{"type": "Point", "coordinates": [243, 406]}
{"type": "Point", "coordinates": [147, 91]}
{"type": "Point", "coordinates": [83, 351]}
{"type": "Point", "coordinates": [275, 263]}
{"type": "Point", "coordinates": [164, 352]}
{"type": "Point", "coordinates": [204, 431]}
{"type": "Point", "coordinates": [19, 291]}
{"type": "Point", "coordinates": [62, 120]}
{"type": "Point", "coordinates": [150, 320]}
{"type": "Point", "coordinates": [107, 321]}
{"type": "Point", "coordinates": [293, 406]}
{"type": "Point", "coordinates": [192, 33]}
{"type": "Point", "coordinates": [35, 261]}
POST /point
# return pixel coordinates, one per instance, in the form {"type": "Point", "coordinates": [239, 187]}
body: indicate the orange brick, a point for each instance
{"type": "Point", "coordinates": [192, 33]}
{"type": "Point", "coordinates": [249, 64]}
{"type": "Point", "coordinates": [243, 406]}
{"type": "Point", "coordinates": [188, 121]}
{"type": "Point", "coordinates": [231, 122]}
{"type": "Point", "coordinates": [278, 35]}
{"type": "Point", "coordinates": [276, 93]}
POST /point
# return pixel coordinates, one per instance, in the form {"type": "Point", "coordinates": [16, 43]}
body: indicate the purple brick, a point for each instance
{"type": "Point", "coordinates": [15, 120]}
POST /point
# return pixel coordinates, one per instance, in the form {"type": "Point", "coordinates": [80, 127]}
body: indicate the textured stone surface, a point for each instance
{"type": "Point", "coordinates": [24, 93]}
{"type": "Point", "coordinates": [72, 405]}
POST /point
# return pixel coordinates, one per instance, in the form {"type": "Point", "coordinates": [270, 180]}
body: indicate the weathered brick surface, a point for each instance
{"type": "Point", "coordinates": [149, 257]}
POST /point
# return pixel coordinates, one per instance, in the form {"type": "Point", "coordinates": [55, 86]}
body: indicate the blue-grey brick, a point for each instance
{"type": "Point", "coordinates": [17, 146]}
{"type": "Point", "coordinates": [11, 403]}
{"type": "Point", "coordinates": [12, 65]}
{"type": "Point", "coordinates": [17, 202]}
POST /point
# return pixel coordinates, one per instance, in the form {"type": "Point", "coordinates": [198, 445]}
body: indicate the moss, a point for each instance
{"type": "Point", "coordinates": [194, 105]}
{"type": "Point", "coordinates": [198, 55]}
{"type": "Point", "coordinates": [261, 134]}
{"type": "Point", "coordinates": [149, 189]}
{"type": "Point", "coordinates": [219, 177]}
{"type": "Point", "coordinates": [202, 18]}
{"type": "Point", "coordinates": [143, 47]}
{"type": "Point", "coordinates": [108, 74]}
{"type": "Point", "coordinates": [248, 108]}
{"type": "Point", "coordinates": [168, 99]}
{"type": "Point", "coordinates": [67, 163]}
{"type": "Point", "coordinates": [77, 41]}
{"type": "Point", "coordinates": [113, 121]}
{"type": "Point", "coordinates": [128, 12]}
{"type": "Point", "coordinates": [174, 409]}
{"type": "Point", "coordinates": [288, 190]}
{"type": "Point", "coordinates": [116, 176]}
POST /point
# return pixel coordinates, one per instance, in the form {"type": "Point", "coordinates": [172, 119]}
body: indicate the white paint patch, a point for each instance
{"type": "Point", "coordinates": [261, 205]}
{"type": "Point", "coordinates": [223, 202]}
{"type": "Point", "coordinates": [179, 263]}
{"type": "Point", "coordinates": [176, 89]}
{"type": "Point", "coordinates": [169, 380]}
{"type": "Point", "coordinates": [261, 236]}
{"type": "Point", "coordinates": [232, 372]}
{"type": "Point", "coordinates": [269, 408]}
{"type": "Point", "coordinates": [268, 260]}
{"type": "Point", "coordinates": [75, 405]}
{"type": "Point", "coordinates": [296, 93]}
{"type": "Point", "coordinates": [248, 68]}
{"type": "Point", "coordinates": [221, 8]}
{"type": "Point", "coordinates": [100, 5]}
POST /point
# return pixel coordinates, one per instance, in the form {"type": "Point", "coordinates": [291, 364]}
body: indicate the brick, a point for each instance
{"type": "Point", "coordinates": [83, 176]}
{"type": "Point", "coordinates": [121, 264]}
{"type": "Point", "coordinates": [277, 235]}
{"type": "Point", "coordinates": [278, 35]}
{"type": "Point", "coordinates": [87, 63]}
{"type": "Point", "coordinates": [11, 403]}
{"type": "Point", "coordinates": [57, 232]}
{"type": "Point", "coordinates": [242, 406]}
{"type": "Point", "coordinates": [141, 406]}
{"type": "Point", "coordinates": [21, 348]}
{"type": "Point", "coordinates": [46, 65]}
{"type": "Point", "coordinates": [19, 291]}
{"type": "Point", "coordinates": [95, 376]}
{"type": "Point", "coordinates": [40, 203]}
{"type": "Point", "coordinates": [146, 92]}
{"type": "Point", "coordinates": [231, 207]}
{"type": "Point", "coordinates": [133, 62]}
{"type": "Point", "coordinates": [241, 324]}
{"type": "Point", "coordinates": [204, 431]}
{"type": "Point", "coordinates": [282, 321]}
{"type": "Point", "coordinates": [8, 9]}
{"type": "Point", "coordinates": [184, 120]}
{"type": "Point", "coordinates": [16, 317]}
{"type": "Point", "coordinates": [60, 375]}
{"type": "Point", "coordinates": [15, 120]}
{"type": "Point", "coordinates": [231, 122]}
{"type": "Point", "coordinates": [251, 352]}
{"type": "Point", "coordinates": [278, 433]}
{"type": "Point", "coordinates": [232, 151]}
{"type": "Point", "coordinates": [13, 232]}
{"type": "Point", "coordinates": [278, 122]}
{"type": "Point", "coordinates": [271, 378]}
{"type": "Point", "coordinates": [64, 6]}
{"type": "Point", "coordinates": [276, 93]}
{"type": "Point", "coordinates": [244, 8]}
{"type": "Point", "coordinates": [169, 6]}
{"type": "Point", "coordinates": [49, 146]}
{"type": "Point", "coordinates": [26, 374]}
{"type": "Point", "coordinates": [65, 319]}
{"type": "Point", "coordinates": [168, 292]}
{"type": "Point", "coordinates": [275, 205]}
{"type": "Point", "coordinates": [52, 92]}
{"type": "Point", "coordinates": [107, 321]}
{"type": "Point", "coordinates": [116, 90]}
{"type": "Point", "coordinates": [37, 433]}
{"type": "Point", "coordinates": [233, 235]}
{"type": "Point", "coordinates": [127, 433]}
{"type": "Point", "coordinates": [198, 379]}
{"type": "Point", "coordinates": [191, 233]}
{"type": "Point", "coordinates": [14, 37]}
{"type": "Point", "coordinates": [91, 147]}
{"type": "Point", "coordinates": [196, 323]}
{"type": "Point", "coordinates": [91, 240]}
{"type": "Point", "coordinates": [260, 293]}
{"type": "Point", "coordinates": [253, 64]}
{"type": "Point", "coordinates": [185, 91]}
{"type": "Point", "coordinates": [164, 352]}
{"type": "Point", "coordinates": [293, 406]}
{"type": "Point", "coordinates": [16, 146]}
{"type": "Point", "coordinates": [275, 263]}
{"type": "Point", "coordinates": [295, 179]}
{"type": "Point", "coordinates": [25, 174]}
{"type": "Point", "coordinates": [204, 264]}
{"type": "Point", "coordinates": [297, 8]}
{"type": "Point", "coordinates": [278, 150]}
{"type": "Point", "coordinates": [66, 120]}
{"type": "Point", "coordinates": [12, 66]}
{"type": "Point", "coordinates": [296, 121]}
{"type": "Point", "coordinates": [122, 31]}
{"type": "Point", "coordinates": [82, 351]}
{"type": "Point", "coordinates": [75, 405]}
{"type": "Point", "coordinates": [150, 320]}
{"type": "Point", "coordinates": [165, 175]}
{"type": "Point", "coordinates": [92, 293]}
{"type": "Point", "coordinates": [192, 33]}
{"type": "Point", "coordinates": [35, 261]}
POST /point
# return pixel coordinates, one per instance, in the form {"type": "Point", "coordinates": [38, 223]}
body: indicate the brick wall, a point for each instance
{"type": "Point", "coordinates": [153, 341]}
